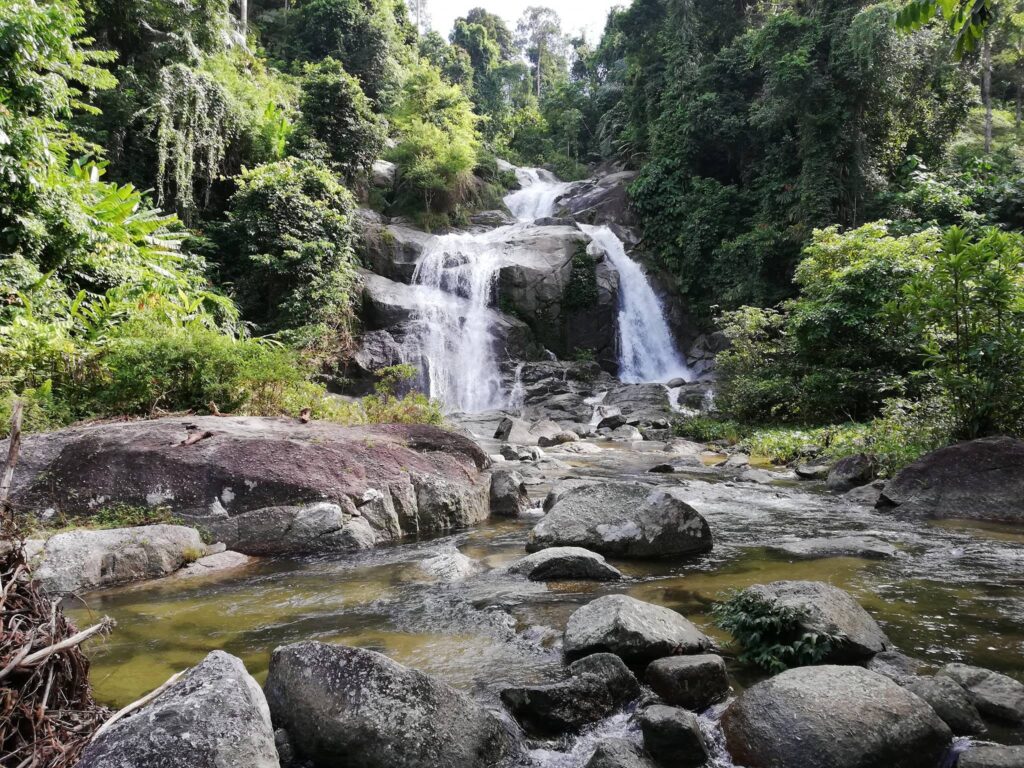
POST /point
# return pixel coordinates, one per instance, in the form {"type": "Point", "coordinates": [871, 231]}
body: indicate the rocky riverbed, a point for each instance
{"type": "Point", "coordinates": [463, 606]}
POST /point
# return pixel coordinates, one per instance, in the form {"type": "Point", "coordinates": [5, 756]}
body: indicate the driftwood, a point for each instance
{"type": "Point", "coordinates": [47, 713]}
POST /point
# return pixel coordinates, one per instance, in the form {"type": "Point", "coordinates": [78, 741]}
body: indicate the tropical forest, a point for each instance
{"type": "Point", "coordinates": [409, 384]}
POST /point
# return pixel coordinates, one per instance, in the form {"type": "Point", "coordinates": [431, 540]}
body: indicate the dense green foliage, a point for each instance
{"type": "Point", "coordinates": [769, 634]}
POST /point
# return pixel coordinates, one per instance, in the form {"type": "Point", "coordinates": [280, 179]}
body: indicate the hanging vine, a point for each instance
{"type": "Point", "coordinates": [194, 126]}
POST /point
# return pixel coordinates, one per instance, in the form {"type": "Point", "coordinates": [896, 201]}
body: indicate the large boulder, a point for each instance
{"type": "Point", "coordinates": [979, 479]}
{"type": "Point", "coordinates": [833, 717]}
{"type": "Point", "coordinates": [692, 682]}
{"type": "Point", "coordinates": [598, 685]}
{"type": "Point", "coordinates": [640, 404]}
{"type": "Point", "coordinates": [602, 200]}
{"type": "Point", "coordinates": [994, 694]}
{"type": "Point", "coordinates": [622, 520]}
{"type": "Point", "coordinates": [851, 472]}
{"type": "Point", "coordinates": [673, 737]}
{"type": "Point", "coordinates": [81, 560]}
{"type": "Point", "coordinates": [636, 631]}
{"type": "Point", "coordinates": [987, 755]}
{"type": "Point", "coordinates": [619, 753]}
{"type": "Point", "coordinates": [358, 708]}
{"type": "Point", "coordinates": [565, 563]}
{"type": "Point", "coordinates": [508, 493]}
{"type": "Point", "coordinates": [215, 716]}
{"type": "Point", "coordinates": [950, 702]}
{"type": "Point", "coordinates": [392, 250]}
{"type": "Point", "coordinates": [262, 485]}
{"type": "Point", "coordinates": [824, 609]}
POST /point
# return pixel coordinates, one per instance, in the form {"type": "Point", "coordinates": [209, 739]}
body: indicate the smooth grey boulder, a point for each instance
{"type": "Point", "coordinates": [636, 631]}
{"type": "Point", "coordinates": [626, 433]}
{"type": "Point", "coordinates": [851, 472]}
{"type": "Point", "coordinates": [825, 609]}
{"type": "Point", "coordinates": [515, 430]}
{"type": "Point", "coordinates": [629, 520]}
{"type": "Point", "coordinates": [264, 485]}
{"type": "Point", "coordinates": [977, 479]}
{"type": "Point", "coordinates": [737, 461]}
{"type": "Point", "coordinates": [833, 717]}
{"type": "Point", "coordinates": [598, 686]}
{"type": "Point", "coordinates": [562, 488]}
{"type": "Point", "coordinates": [565, 436]}
{"type": "Point", "coordinates": [383, 174]}
{"type": "Point", "coordinates": [994, 694]}
{"type": "Point", "coordinates": [987, 755]}
{"type": "Point", "coordinates": [521, 452]}
{"type": "Point", "coordinates": [89, 559]}
{"type": "Point", "coordinates": [557, 563]}
{"type": "Point", "coordinates": [214, 564]}
{"type": "Point", "coordinates": [866, 494]}
{"type": "Point", "coordinates": [759, 476]}
{"type": "Point", "coordinates": [868, 547]}
{"type": "Point", "coordinates": [672, 736]}
{"type": "Point", "coordinates": [691, 682]}
{"type": "Point", "coordinates": [214, 716]}
{"type": "Point", "coordinates": [358, 708]}
{"type": "Point", "coordinates": [950, 702]}
{"type": "Point", "coordinates": [619, 753]}
{"type": "Point", "coordinates": [509, 497]}
{"type": "Point", "coordinates": [449, 566]}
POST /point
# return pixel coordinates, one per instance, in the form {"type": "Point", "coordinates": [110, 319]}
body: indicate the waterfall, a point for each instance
{"type": "Point", "coordinates": [647, 350]}
{"type": "Point", "coordinates": [454, 346]}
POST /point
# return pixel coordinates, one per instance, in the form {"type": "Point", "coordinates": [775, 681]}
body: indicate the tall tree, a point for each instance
{"type": "Point", "coordinates": [539, 34]}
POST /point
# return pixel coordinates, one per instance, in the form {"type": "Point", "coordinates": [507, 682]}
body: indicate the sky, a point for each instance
{"type": "Point", "coordinates": [586, 15]}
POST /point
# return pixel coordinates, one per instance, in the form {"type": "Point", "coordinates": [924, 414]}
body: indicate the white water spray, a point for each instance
{"type": "Point", "coordinates": [455, 347]}
{"type": "Point", "coordinates": [647, 350]}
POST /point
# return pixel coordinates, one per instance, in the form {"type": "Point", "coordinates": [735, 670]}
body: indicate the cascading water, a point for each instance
{"type": "Point", "coordinates": [454, 347]}
{"type": "Point", "coordinates": [647, 351]}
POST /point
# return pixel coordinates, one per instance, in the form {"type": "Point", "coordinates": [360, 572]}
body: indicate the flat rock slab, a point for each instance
{"type": "Point", "coordinates": [262, 485]}
{"type": "Point", "coordinates": [213, 564]}
{"type": "Point", "coordinates": [867, 547]}
{"type": "Point", "coordinates": [558, 563]}
{"type": "Point", "coordinates": [215, 716]}
{"type": "Point", "coordinates": [619, 519]}
{"type": "Point", "coordinates": [636, 631]}
{"type": "Point", "coordinates": [987, 755]}
{"type": "Point", "coordinates": [829, 610]}
{"type": "Point", "coordinates": [834, 716]}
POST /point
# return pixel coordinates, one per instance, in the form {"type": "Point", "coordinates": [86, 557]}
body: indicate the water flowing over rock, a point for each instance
{"type": "Point", "coordinates": [536, 199]}
{"type": "Point", "coordinates": [647, 350]}
{"type": "Point", "coordinates": [839, 717]}
{"type": "Point", "coordinates": [215, 716]}
{"type": "Point", "coordinates": [358, 708]}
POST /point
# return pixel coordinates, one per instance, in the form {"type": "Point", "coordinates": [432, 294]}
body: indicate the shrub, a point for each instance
{"type": "Point", "coordinates": [770, 634]}
{"type": "Point", "coordinates": [288, 247]}
{"type": "Point", "coordinates": [336, 113]}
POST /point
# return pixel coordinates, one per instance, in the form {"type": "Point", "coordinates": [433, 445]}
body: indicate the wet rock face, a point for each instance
{"type": "Point", "coordinates": [636, 631]}
{"type": "Point", "coordinates": [829, 610]}
{"type": "Point", "coordinates": [978, 479]}
{"type": "Point", "coordinates": [995, 695]}
{"type": "Point", "coordinates": [215, 716]}
{"type": "Point", "coordinates": [508, 493]}
{"type": "Point", "coordinates": [622, 520]}
{"type": "Point", "coordinates": [868, 547]}
{"type": "Point", "coordinates": [264, 486]}
{"type": "Point", "coordinates": [558, 563]}
{"type": "Point", "coordinates": [673, 737]}
{"type": "Point", "coordinates": [353, 707]}
{"type": "Point", "coordinates": [985, 755]}
{"type": "Point", "coordinates": [598, 685]}
{"type": "Point", "coordinates": [83, 560]}
{"type": "Point", "coordinates": [691, 682]}
{"type": "Point", "coordinates": [840, 717]}
{"type": "Point", "coordinates": [619, 753]}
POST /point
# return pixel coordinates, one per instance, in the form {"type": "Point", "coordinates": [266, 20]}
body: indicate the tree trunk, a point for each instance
{"type": "Point", "coordinates": [986, 89]}
{"type": "Point", "coordinates": [1017, 123]}
{"type": "Point", "coordinates": [540, 55]}
{"type": "Point", "coordinates": [243, 15]}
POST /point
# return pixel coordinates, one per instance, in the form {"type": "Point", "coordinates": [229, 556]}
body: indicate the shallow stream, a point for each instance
{"type": "Point", "coordinates": [953, 594]}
